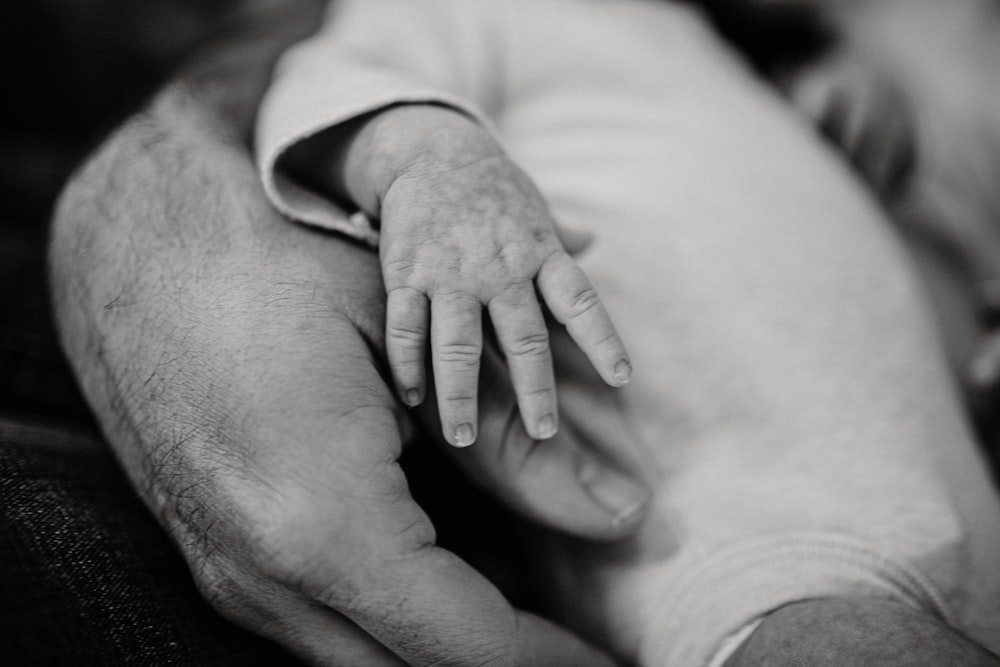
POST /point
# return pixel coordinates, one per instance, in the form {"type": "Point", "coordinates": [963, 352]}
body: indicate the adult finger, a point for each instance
{"type": "Point", "coordinates": [456, 345]}
{"type": "Point", "coordinates": [340, 527]}
{"type": "Point", "coordinates": [431, 608]}
{"type": "Point", "coordinates": [524, 339]}
{"type": "Point", "coordinates": [406, 332]}
{"type": "Point", "coordinates": [314, 633]}
{"type": "Point", "coordinates": [320, 636]}
{"type": "Point", "coordinates": [574, 302]}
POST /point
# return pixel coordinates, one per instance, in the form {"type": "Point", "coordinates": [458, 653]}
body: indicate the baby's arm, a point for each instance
{"type": "Point", "coordinates": [369, 55]}
{"type": "Point", "coordinates": [462, 227]}
{"type": "Point", "coordinates": [382, 110]}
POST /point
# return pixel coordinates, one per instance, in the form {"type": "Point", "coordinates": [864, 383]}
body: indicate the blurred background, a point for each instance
{"type": "Point", "coordinates": [75, 68]}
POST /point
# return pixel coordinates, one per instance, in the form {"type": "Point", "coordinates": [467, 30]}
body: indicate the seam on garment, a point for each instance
{"type": "Point", "coordinates": [304, 205]}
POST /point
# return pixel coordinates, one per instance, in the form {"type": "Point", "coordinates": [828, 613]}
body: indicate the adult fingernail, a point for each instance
{"type": "Point", "coordinates": [624, 498]}
{"type": "Point", "coordinates": [465, 435]}
{"type": "Point", "coordinates": [547, 427]}
{"type": "Point", "coordinates": [623, 371]}
{"type": "Point", "coordinates": [412, 397]}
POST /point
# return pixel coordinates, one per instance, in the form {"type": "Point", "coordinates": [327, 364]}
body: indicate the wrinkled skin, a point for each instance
{"type": "Point", "coordinates": [231, 359]}
{"type": "Point", "coordinates": [243, 396]}
{"type": "Point", "coordinates": [463, 231]}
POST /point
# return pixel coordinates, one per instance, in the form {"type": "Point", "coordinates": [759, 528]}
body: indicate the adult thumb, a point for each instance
{"type": "Point", "coordinates": [571, 482]}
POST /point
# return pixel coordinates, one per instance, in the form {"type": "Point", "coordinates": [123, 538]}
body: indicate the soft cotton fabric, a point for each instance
{"type": "Point", "coordinates": [779, 485]}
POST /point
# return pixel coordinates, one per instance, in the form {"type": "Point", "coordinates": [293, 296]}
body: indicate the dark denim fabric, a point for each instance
{"type": "Point", "coordinates": [86, 576]}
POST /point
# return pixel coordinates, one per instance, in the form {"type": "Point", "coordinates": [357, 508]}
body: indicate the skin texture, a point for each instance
{"type": "Point", "coordinates": [463, 228]}
{"type": "Point", "coordinates": [243, 397]}
{"type": "Point", "coordinates": [231, 360]}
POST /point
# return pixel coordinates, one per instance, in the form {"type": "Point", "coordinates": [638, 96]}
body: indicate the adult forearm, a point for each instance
{"type": "Point", "coordinates": [169, 194]}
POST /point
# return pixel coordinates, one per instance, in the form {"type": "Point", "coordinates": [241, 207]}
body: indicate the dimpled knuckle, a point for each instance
{"type": "Point", "coordinates": [584, 301]}
{"type": "Point", "coordinates": [399, 270]}
{"type": "Point", "coordinates": [406, 336]}
{"type": "Point", "coordinates": [529, 345]}
{"type": "Point", "coordinates": [462, 355]}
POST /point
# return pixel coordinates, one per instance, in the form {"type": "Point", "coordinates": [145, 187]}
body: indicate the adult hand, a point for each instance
{"type": "Point", "coordinates": [228, 356]}
{"type": "Point", "coordinates": [231, 369]}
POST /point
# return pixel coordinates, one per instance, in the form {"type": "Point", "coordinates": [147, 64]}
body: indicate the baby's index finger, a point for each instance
{"type": "Point", "coordinates": [574, 303]}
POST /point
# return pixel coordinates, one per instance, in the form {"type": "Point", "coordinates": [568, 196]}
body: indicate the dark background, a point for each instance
{"type": "Point", "coordinates": [74, 69]}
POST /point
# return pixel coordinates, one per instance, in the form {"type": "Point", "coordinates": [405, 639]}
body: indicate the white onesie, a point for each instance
{"type": "Point", "coordinates": [777, 483]}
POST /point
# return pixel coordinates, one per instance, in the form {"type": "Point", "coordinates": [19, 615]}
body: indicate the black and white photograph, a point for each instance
{"type": "Point", "coordinates": [500, 333]}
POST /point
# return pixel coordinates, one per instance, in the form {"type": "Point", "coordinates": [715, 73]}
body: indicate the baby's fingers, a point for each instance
{"type": "Point", "coordinates": [574, 302]}
{"type": "Point", "coordinates": [405, 341]}
{"type": "Point", "coordinates": [456, 346]}
{"type": "Point", "coordinates": [524, 339]}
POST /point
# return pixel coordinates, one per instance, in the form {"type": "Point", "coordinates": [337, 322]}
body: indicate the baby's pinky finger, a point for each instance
{"type": "Point", "coordinates": [405, 341]}
{"type": "Point", "coordinates": [574, 302]}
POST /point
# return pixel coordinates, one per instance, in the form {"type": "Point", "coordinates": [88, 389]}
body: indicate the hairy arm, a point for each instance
{"type": "Point", "coordinates": [228, 356]}
{"type": "Point", "coordinates": [153, 199]}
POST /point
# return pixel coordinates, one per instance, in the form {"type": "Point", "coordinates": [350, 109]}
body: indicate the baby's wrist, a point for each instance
{"type": "Point", "coordinates": [358, 161]}
{"type": "Point", "coordinates": [414, 140]}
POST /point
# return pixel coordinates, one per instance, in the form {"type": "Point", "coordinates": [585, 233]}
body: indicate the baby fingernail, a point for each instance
{"type": "Point", "coordinates": [412, 397]}
{"type": "Point", "coordinates": [623, 371]}
{"type": "Point", "coordinates": [465, 435]}
{"type": "Point", "coordinates": [624, 498]}
{"type": "Point", "coordinates": [547, 427]}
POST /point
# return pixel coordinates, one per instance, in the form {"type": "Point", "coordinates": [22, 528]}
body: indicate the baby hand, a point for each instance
{"type": "Point", "coordinates": [462, 228]}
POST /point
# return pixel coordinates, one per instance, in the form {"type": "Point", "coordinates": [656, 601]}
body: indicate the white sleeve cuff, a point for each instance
{"type": "Point", "coordinates": [708, 613]}
{"type": "Point", "coordinates": [298, 108]}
